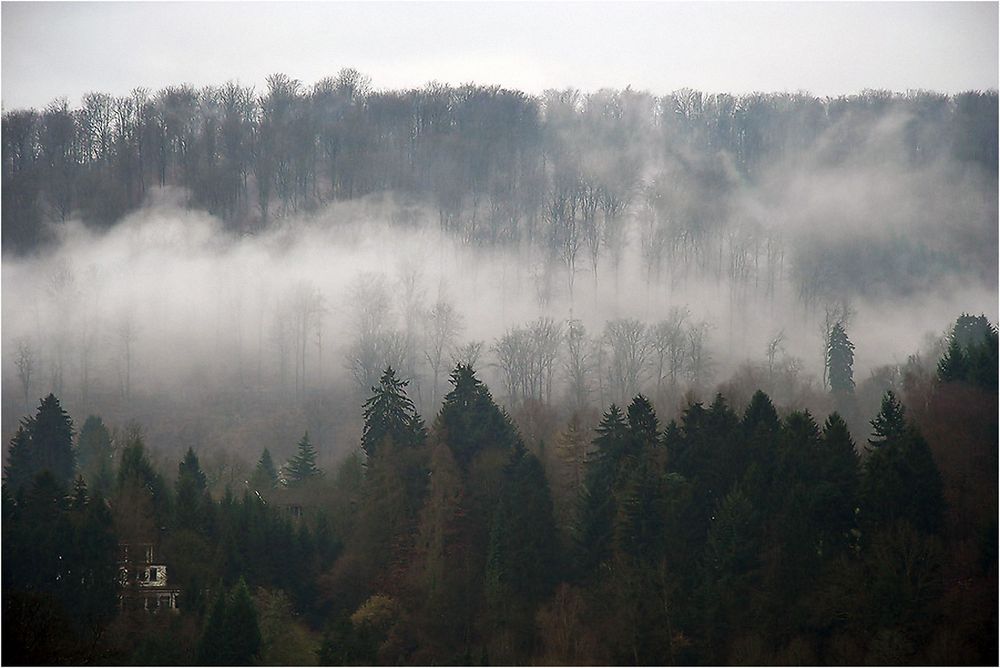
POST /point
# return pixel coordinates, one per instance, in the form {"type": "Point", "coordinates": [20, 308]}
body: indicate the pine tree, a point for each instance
{"type": "Point", "coordinates": [760, 415]}
{"type": "Point", "coordinates": [95, 454]}
{"type": "Point", "coordinates": [19, 469]}
{"type": "Point", "coordinates": [954, 366]}
{"type": "Point", "coordinates": [389, 413]}
{"type": "Point", "coordinates": [240, 629]}
{"type": "Point", "coordinates": [469, 419]}
{"type": "Point", "coordinates": [42, 443]}
{"type": "Point", "coordinates": [890, 422]}
{"type": "Point", "coordinates": [835, 493]}
{"type": "Point", "coordinates": [265, 475]}
{"type": "Point", "coordinates": [193, 504]}
{"type": "Point", "coordinates": [302, 466]}
{"type": "Point", "coordinates": [597, 509]}
{"type": "Point", "coordinates": [840, 361]}
{"type": "Point", "coordinates": [211, 650]}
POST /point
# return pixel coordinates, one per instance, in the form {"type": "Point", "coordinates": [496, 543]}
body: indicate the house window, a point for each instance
{"type": "Point", "coordinates": [152, 574]}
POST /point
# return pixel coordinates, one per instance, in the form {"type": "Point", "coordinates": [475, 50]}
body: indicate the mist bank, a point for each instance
{"type": "Point", "coordinates": [288, 329]}
{"type": "Point", "coordinates": [261, 259]}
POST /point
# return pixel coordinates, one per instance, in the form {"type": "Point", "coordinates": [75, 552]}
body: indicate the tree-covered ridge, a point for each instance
{"type": "Point", "coordinates": [729, 535]}
{"type": "Point", "coordinates": [497, 165]}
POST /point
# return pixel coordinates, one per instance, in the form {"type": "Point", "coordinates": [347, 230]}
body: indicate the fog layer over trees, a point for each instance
{"type": "Point", "coordinates": [577, 247]}
{"type": "Point", "coordinates": [282, 247]}
{"type": "Point", "coordinates": [463, 376]}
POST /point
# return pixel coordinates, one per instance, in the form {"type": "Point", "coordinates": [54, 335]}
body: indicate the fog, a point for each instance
{"type": "Point", "coordinates": [169, 308]}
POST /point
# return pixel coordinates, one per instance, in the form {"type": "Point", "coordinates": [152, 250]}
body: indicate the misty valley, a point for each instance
{"type": "Point", "coordinates": [333, 375]}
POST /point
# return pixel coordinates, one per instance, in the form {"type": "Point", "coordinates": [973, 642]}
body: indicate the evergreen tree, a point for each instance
{"type": "Point", "coordinates": [901, 482]}
{"type": "Point", "coordinates": [211, 650]}
{"type": "Point", "coordinates": [18, 471]}
{"type": "Point", "coordinates": [890, 422]}
{"type": "Point", "coordinates": [94, 454]}
{"type": "Point", "coordinates": [265, 475]}
{"type": "Point", "coordinates": [141, 502]}
{"type": "Point", "coordinates": [954, 366]}
{"type": "Point", "coordinates": [240, 629]}
{"type": "Point", "coordinates": [835, 494]}
{"type": "Point", "coordinates": [302, 466]}
{"type": "Point", "coordinates": [42, 443]}
{"type": "Point", "coordinates": [970, 330]}
{"type": "Point", "coordinates": [469, 419]}
{"type": "Point", "coordinates": [840, 361]}
{"type": "Point", "coordinates": [389, 413]}
{"type": "Point", "coordinates": [597, 509]}
{"type": "Point", "coordinates": [193, 503]}
{"type": "Point", "coordinates": [760, 415]}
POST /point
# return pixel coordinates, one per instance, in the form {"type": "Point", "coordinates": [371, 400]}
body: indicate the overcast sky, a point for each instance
{"type": "Point", "coordinates": [67, 49]}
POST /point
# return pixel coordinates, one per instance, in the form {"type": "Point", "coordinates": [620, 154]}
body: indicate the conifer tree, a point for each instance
{"type": "Point", "coordinates": [469, 419]}
{"type": "Point", "coordinates": [389, 413]}
{"type": "Point", "coordinates": [265, 475]}
{"type": "Point", "coordinates": [302, 466]}
{"type": "Point", "coordinates": [42, 443]}
{"type": "Point", "coordinates": [240, 629]}
{"type": "Point", "coordinates": [954, 366]}
{"type": "Point", "coordinates": [94, 454]}
{"type": "Point", "coordinates": [890, 422]}
{"type": "Point", "coordinates": [193, 504]}
{"type": "Point", "coordinates": [18, 471]}
{"type": "Point", "coordinates": [597, 505]}
{"type": "Point", "coordinates": [840, 361]}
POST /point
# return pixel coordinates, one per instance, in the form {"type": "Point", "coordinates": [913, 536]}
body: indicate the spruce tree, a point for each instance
{"type": "Point", "coordinates": [42, 443]}
{"type": "Point", "coordinates": [469, 419]}
{"type": "Point", "coordinates": [302, 466]}
{"type": "Point", "coordinates": [19, 469]}
{"type": "Point", "coordinates": [240, 629]}
{"type": "Point", "coordinates": [193, 503]}
{"type": "Point", "coordinates": [389, 413]}
{"type": "Point", "coordinates": [890, 422]}
{"type": "Point", "coordinates": [265, 475]}
{"type": "Point", "coordinates": [597, 509]}
{"type": "Point", "coordinates": [954, 366]}
{"type": "Point", "coordinates": [94, 454]}
{"type": "Point", "coordinates": [840, 361]}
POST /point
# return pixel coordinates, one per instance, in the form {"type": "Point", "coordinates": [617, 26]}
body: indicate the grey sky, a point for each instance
{"type": "Point", "coordinates": [68, 49]}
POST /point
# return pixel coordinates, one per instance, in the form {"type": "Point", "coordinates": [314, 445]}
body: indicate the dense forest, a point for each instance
{"type": "Point", "coordinates": [462, 375]}
{"type": "Point", "coordinates": [734, 534]}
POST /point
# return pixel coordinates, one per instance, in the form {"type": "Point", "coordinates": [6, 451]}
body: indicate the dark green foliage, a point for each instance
{"type": "Point", "coordinates": [192, 504]}
{"type": "Point", "coordinates": [302, 466]}
{"type": "Point", "coordinates": [890, 423]}
{"type": "Point", "coordinates": [42, 443]}
{"type": "Point", "coordinates": [95, 455]}
{"type": "Point", "coordinates": [597, 506]}
{"type": "Point", "coordinates": [389, 413]}
{"type": "Point", "coordinates": [971, 330]}
{"type": "Point", "coordinates": [470, 421]}
{"type": "Point", "coordinates": [59, 559]}
{"type": "Point", "coordinates": [760, 415]}
{"type": "Point", "coordinates": [953, 366]}
{"type": "Point", "coordinates": [972, 355]}
{"type": "Point", "coordinates": [17, 473]}
{"type": "Point", "coordinates": [902, 483]}
{"type": "Point", "coordinates": [840, 361]}
{"type": "Point", "coordinates": [142, 503]}
{"type": "Point", "coordinates": [231, 636]}
{"type": "Point", "coordinates": [718, 541]}
{"type": "Point", "coordinates": [265, 474]}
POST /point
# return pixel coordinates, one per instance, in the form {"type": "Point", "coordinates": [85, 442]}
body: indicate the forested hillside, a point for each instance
{"type": "Point", "coordinates": [734, 534]}
{"type": "Point", "coordinates": [463, 375]}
